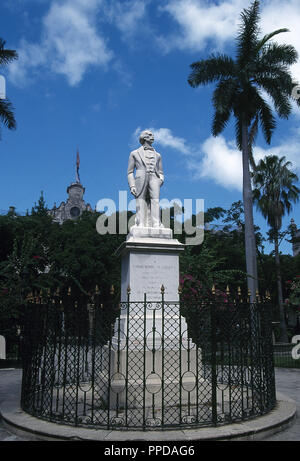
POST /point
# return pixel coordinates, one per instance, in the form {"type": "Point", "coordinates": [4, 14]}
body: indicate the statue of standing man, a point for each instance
{"type": "Point", "coordinates": [145, 185]}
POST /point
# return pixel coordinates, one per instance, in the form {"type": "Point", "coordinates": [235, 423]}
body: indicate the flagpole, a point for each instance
{"type": "Point", "coordinates": [77, 166]}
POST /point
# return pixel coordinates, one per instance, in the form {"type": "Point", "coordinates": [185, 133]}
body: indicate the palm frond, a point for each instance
{"type": "Point", "coordinates": [211, 70]}
{"type": "Point", "coordinates": [251, 140]}
{"type": "Point", "coordinates": [220, 121]}
{"type": "Point", "coordinates": [253, 130]}
{"type": "Point", "coordinates": [279, 94]}
{"type": "Point", "coordinates": [266, 118]}
{"type": "Point", "coordinates": [224, 94]}
{"type": "Point", "coordinates": [6, 56]}
{"type": "Point", "coordinates": [268, 37]}
{"type": "Point", "coordinates": [274, 54]}
{"type": "Point", "coordinates": [247, 38]}
{"type": "Point", "coordinates": [273, 76]}
{"type": "Point", "coordinates": [6, 114]}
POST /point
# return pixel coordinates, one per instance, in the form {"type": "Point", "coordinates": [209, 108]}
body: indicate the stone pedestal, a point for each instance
{"type": "Point", "coordinates": [151, 355]}
{"type": "Point", "coordinates": [150, 259]}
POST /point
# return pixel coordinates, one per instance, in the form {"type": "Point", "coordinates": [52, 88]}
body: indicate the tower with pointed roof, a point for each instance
{"type": "Point", "coordinates": [75, 204]}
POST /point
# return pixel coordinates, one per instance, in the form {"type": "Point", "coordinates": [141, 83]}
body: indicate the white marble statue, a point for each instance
{"type": "Point", "coordinates": [145, 185]}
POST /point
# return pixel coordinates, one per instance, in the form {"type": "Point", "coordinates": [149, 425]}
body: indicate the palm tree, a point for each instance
{"type": "Point", "coordinates": [274, 191]}
{"type": "Point", "coordinates": [260, 64]}
{"type": "Point", "coordinates": [6, 108]}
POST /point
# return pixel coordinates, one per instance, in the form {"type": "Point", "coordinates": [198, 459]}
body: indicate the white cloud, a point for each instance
{"type": "Point", "coordinates": [73, 40]}
{"type": "Point", "coordinates": [31, 57]}
{"type": "Point", "coordinates": [165, 138]}
{"type": "Point", "coordinates": [200, 22]}
{"type": "Point", "coordinates": [218, 159]}
{"type": "Point", "coordinates": [221, 161]}
{"type": "Point", "coordinates": [127, 15]}
{"type": "Point", "coordinates": [288, 148]}
{"type": "Point", "coordinates": [215, 24]}
{"type": "Point", "coordinates": [69, 45]}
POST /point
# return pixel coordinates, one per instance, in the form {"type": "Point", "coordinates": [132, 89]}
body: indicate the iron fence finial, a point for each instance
{"type": "Point", "coordinates": [257, 296]}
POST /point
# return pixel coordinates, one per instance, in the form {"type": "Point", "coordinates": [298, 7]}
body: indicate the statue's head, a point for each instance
{"type": "Point", "coordinates": [146, 135]}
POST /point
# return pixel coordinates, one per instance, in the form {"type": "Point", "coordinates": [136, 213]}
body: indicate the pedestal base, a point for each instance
{"type": "Point", "coordinates": [150, 259]}
{"type": "Point", "coordinates": [138, 232]}
{"type": "Point", "coordinates": [141, 379]}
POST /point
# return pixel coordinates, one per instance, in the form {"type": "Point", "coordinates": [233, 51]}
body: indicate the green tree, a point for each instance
{"type": "Point", "coordinates": [274, 192]}
{"type": "Point", "coordinates": [260, 64]}
{"type": "Point", "coordinates": [6, 109]}
{"type": "Point", "coordinates": [40, 209]}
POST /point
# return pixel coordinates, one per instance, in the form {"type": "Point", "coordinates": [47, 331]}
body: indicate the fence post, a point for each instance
{"type": "Point", "coordinates": [2, 348]}
{"type": "Point", "coordinates": [213, 363]}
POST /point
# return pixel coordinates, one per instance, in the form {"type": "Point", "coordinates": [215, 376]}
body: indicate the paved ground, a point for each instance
{"type": "Point", "coordinates": [10, 382]}
{"type": "Point", "coordinates": [287, 382]}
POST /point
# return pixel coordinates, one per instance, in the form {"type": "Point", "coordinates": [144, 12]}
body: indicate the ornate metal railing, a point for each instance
{"type": "Point", "coordinates": [147, 365]}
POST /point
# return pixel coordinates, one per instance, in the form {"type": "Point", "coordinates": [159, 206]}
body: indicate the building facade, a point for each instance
{"type": "Point", "coordinates": [295, 239]}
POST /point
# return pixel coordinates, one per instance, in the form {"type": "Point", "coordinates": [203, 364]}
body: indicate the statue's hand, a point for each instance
{"type": "Point", "coordinates": [133, 190]}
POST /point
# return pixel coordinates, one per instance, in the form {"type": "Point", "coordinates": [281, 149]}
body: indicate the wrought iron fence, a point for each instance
{"type": "Point", "coordinates": [283, 356]}
{"type": "Point", "coordinates": [146, 365]}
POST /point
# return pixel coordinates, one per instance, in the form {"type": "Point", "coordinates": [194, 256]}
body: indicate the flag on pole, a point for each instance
{"type": "Point", "coordinates": [77, 166]}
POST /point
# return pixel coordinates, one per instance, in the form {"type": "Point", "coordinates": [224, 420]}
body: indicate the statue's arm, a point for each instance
{"type": "Point", "coordinates": [160, 170]}
{"type": "Point", "coordinates": [130, 170]}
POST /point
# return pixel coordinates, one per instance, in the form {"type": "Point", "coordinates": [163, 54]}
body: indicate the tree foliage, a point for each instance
{"type": "Point", "coordinates": [37, 254]}
{"type": "Point", "coordinates": [259, 65]}
{"type": "Point", "coordinates": [6, 109]}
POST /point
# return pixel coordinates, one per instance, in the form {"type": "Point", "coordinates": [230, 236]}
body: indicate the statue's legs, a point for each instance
{"type": "Point", "coordinates": [153, 192]}
{"type": "Point", "coordinates": [147, 204]}
{"type": "Point", "coordinates": [142, 212]}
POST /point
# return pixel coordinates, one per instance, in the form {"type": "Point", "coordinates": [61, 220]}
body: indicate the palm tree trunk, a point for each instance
{"type": "Point", "coordinates": [283, 330]}
{"type": "Point", "coordinates": [250, 244]}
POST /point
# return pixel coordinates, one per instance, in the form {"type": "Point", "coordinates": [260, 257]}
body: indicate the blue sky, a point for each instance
{"type": "Point", "coordinates": [92, 73]}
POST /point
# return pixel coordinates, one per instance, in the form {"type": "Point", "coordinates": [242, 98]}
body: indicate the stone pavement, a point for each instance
{"type": "Point", "coordinates": [287, 383]}
{"type": "Point", "coordinates": [10, 384]}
